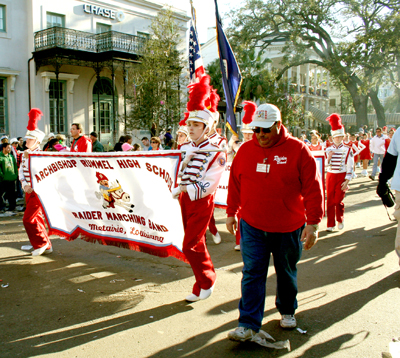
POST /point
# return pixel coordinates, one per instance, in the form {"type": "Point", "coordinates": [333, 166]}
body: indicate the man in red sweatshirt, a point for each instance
{"type": "Point", "coordinates": [275, 183]}
{"type": "Point", "coordinates": [80, 143]}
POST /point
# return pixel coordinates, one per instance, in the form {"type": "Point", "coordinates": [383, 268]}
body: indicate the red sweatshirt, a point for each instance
{"type": "Point", "coordinates": [276, 201]}
{"type": "Point", "coordinates": [82, 144]}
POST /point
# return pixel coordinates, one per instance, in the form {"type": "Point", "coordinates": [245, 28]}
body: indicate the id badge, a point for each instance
{"type": "Point", "coordinates": [262, 168]}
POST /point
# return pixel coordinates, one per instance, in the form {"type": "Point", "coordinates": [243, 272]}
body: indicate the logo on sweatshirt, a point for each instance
{"type": "Point", "coordinates": [280, 160]}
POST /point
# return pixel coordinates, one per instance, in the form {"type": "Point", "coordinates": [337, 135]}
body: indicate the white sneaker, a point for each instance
{"type": "Point", "coordinates": [288, 321]}
{"type": "Point", "coordinates": [26, 247]}
{"type": "Point", "coordinates": [241, 334]}
{"type": "Point", "coordinates": [358, 165]}
{"type": "Point", "coordinates": [341, 225]}
{"type": "Point", "coordinates": [204, 294]}
{"type": "Point", "coordinates": [237, 248]}
{"type": "Point", "coordinates": [41, 250]}
{"type": "Point", "coordinates": [192, 298]}
{"type": "Point", "coordinates": [216, 238]}
{"type": "Point", "coordinates": [330, 229]}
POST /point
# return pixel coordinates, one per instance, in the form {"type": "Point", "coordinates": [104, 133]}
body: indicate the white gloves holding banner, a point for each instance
{"type": "Point", "coordinates": [189, 154]}
{"type": "Point", "coordinates": [176, 191]}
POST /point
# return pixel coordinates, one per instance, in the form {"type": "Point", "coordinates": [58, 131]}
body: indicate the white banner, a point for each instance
{"type": "Point", "coordinates": [121, 199]}
{"type": "Point", "coordinates": [222, 191]}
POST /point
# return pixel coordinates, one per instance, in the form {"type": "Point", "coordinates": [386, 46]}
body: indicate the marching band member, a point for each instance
{"type": "Point", "coordinates": [340, 172]}
{"type": "Point", "coordinates": [365, 154]}
{"type": "Point", "coordinates": [182, 135]}
{"type": "Point", "coordinates": [200, 174]}
{"type": "Point", "coordinates": [315, 142]}
{"type": "Point", "coordinates": [357, 147]}
{"type": "Point", "coordinates": [33, 216]}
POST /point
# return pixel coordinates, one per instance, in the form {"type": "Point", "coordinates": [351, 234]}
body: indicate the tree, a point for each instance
{"type": "Point", "coordinates": [259, 83]}
{"type": "Point", "coordinates": [155, 97]}
{"type": "Point", "coordinates": [345, 34]}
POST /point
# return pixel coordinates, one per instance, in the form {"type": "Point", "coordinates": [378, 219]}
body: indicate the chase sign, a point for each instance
{"type": "Point", "coordinates": [101, 11]}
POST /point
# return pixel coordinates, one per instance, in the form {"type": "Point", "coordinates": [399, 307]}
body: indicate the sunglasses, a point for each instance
{"type": "Point", "coordinates": [264, 130]}
{"type": "Point", "coordinates": [153, 141]}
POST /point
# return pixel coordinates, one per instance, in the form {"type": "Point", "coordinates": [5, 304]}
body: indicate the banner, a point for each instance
{"type": "Point", "coordinates": [120, 199]}
{"type": "Point", "coordinates": [221, 194]}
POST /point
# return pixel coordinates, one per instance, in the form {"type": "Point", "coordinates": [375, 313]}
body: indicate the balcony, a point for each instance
{"type": "Point", "coordinates": [87, 46]}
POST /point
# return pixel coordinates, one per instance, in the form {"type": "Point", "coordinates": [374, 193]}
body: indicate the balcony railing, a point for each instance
{"type": "Point", "coordinates": [85, 41]}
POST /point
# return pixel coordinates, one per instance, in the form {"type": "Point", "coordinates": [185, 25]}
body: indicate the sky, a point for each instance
{"type": "Point", "coordinates": [205, 12]}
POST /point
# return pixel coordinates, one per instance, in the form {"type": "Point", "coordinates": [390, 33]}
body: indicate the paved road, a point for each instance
{"type": "Point", "coordinates": [88, 300]}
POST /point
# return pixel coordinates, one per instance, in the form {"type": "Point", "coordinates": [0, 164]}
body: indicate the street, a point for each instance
{"type": "Point", "coordinates": [89, 300]}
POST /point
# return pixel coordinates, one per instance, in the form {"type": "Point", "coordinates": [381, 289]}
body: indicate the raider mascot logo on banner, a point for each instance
{"type": "Point", "coordinates": [112, 194]}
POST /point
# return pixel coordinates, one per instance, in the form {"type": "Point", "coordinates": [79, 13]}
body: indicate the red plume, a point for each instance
{"type": "Point", "coordinates": [249, 110]}
{"type": "Point", "coordinates": [198, 94]}
{"type": "Point", "coordinates": [335, 121]}
{"type": "Point", "coordinates": [34, 116]}
{"type": "Point", "coordinates": [214, 99]}
{"type": "Point", "coordinates": [183, 121]}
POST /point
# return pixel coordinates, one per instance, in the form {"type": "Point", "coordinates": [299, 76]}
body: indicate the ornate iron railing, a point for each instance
{"type": "Point", "coordinates": [85, 41]}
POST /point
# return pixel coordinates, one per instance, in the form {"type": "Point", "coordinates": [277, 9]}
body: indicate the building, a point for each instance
{"type": "Point", "coordinates": [71, 59]}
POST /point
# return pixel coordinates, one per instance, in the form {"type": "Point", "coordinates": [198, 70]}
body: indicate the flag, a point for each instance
{"type": "Point", "coordinates": [231, 76]}
{"type": "Point", "coordinates": [196, 67]}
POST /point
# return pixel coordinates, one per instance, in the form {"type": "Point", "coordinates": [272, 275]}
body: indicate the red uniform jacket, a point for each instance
{"type": "Point", "coordinates": [81, 144]}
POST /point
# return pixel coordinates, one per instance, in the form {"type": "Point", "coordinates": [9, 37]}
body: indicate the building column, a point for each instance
{"type": "Point", "coordinates": [289, 76]}
{"type": "Point", "coordinates": [298, 79]}
{"type": "Point", "coordinates": [315, 80]}
{"type": "Point", "coordinates": [307, 86]}
{"type": "Point", "coordinates": [327, 91]}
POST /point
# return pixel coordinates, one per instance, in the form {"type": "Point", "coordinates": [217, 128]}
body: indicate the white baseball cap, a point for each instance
{"type": "Point", "coordinates": [266, 115]}
{"type": "Point", "coordinates": [14, 140]}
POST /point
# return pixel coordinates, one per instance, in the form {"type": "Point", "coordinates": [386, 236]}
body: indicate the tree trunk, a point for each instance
{"type": "Point", "coordinates": [360, 103]}
{"type": "Point", "coordinates": [379, 110]}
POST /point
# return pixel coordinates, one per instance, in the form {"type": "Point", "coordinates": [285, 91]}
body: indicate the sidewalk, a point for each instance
{"type": "Point", "coordinates": [88, 300]}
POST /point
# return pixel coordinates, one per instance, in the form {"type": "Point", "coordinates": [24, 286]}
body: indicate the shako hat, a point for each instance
{"type": "Point", "coordinates": [336, 123]}
{"type": "Point", "coordinates": [35, 114]}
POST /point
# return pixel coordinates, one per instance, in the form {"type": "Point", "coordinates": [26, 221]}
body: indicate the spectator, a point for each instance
{"type": "Point", "coordinates": [127, 146]}
{"type": "Point", "coordinates": [80, 142]}
{"type": "Point", "coordinates": [118, 146]}
{"type": "Point", "coordinates": [136, 148]}
{"type": "Point", "coordinates": [51, 136]}
{"type": "Point", "coordinates": [155, 143]}
{"type": "Point", "coordinates": [8, 176]}
{"type": "Point", "coordinates": [168, 136]}
{"type": "Point", "coordinates": [146, 143]}
{"type": "Point", "coordinates": [20, 143]}
{"type": "Point", "coordinates": [96, 145]}
{"type": "Point", "coordinates": [14, 145]}
{"type": "Point", "coordinates": [377, 146]}
{"type": "Point", "coordinates": [4, 139]}
{"type": "Point", "coordinates": [273, 221]}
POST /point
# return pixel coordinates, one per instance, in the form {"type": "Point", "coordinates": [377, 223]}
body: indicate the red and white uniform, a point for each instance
{"type": "Point", "coordinates": [201, 177]}
{"type": "Point", "coordinates": [81, 144]}
{"type": "Point", "coordinates": [222, 143]}
{"type": "Point", "coordinates": [340, 168]}
{"type": "Point", "coordinates": [33, 217]}
{"type": "Point", "coordinates": [366, 152]}
{"type": "Point", "coordinates": [357, 147]}
{"type": "Point", "coordinates": [316, 147]}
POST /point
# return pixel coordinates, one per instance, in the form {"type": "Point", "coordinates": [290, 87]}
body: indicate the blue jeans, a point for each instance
{"type": "Point", "coordinates": [375, 167]}
{"type": "Point", "coordinates": [256, 248]}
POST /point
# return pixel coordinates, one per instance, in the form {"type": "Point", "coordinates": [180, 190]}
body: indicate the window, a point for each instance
{"type": "Point", "coordinates": [55, 20]}
{"type": "Point", "coordinates": [100, 28]}
{"type": "Point", "coordinates": [55, 125]}
{"type": "Point", "coordinates": [332, 102]}
{"type": "Point", "coordinates": [2, 18]}
{"type": "Point", "coordinates": [143, 34]}
{"type": "Point", "coordinates": [3, 105]}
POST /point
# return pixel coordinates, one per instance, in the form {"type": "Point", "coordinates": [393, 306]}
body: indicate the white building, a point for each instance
{"type": "Point", "coordinates": [83, 46]}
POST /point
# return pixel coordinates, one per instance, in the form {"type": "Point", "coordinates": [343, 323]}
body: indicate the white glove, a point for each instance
{"type": "Point", "coordinates": [190, 153]}
{"type": "Point", "coordinates": [176, 191]}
